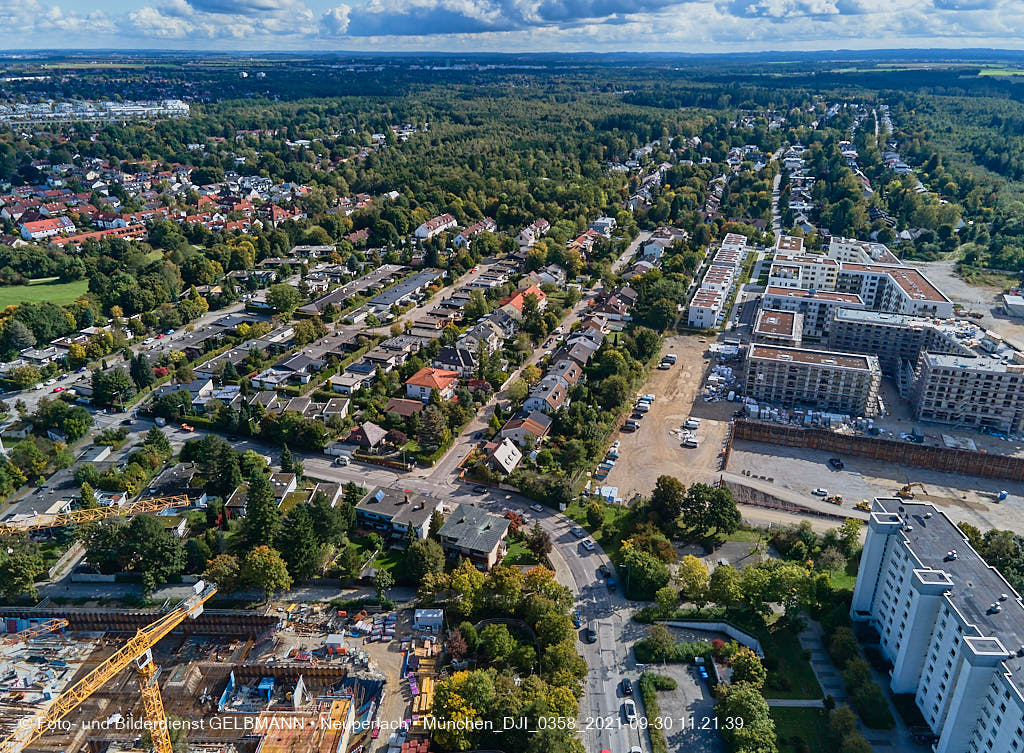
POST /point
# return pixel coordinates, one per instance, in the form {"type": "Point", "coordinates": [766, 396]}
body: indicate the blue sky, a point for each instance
{"type": "Point", "coordinates": [511, 25]}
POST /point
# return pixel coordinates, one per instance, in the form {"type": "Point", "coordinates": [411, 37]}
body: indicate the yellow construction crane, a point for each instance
{"type": "Point", "coordinates": [55, 520]}
{"type": "Point", "coordinates": [907, 490]}
{"type": "Point", "coordinates": [43, 628]}
{"type": "Point", "coordinates": [138, 651]}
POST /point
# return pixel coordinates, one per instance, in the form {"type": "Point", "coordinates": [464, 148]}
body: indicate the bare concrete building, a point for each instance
{"type": "Point", "coordinates": [816, 379]}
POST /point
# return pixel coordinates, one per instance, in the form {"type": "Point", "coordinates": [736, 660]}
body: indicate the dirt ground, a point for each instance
{"type": "Point", "coordinates": [964, 498]}
{"type": "Point", "coordinates": [386, 658]}
{"type": "Point", "coordinates": [656, 447]}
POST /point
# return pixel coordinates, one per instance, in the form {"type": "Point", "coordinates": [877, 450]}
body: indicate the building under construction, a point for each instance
{"type": "Point", "coordinates": [231, 681]}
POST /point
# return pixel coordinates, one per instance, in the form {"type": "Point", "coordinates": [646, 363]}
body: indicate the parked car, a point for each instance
{"type": "Point", "coordinates": [612, 585]}
{"type": "Point", "coordinates": [589, 635]}
{"type": "Point", "coordinates": [627, 686]}
{"type": "Point", "coordinates": [690, 443]}
{"type": "Point", "coordinates": [588, 545]}
{"type": "Point", "coordinates": [606, 572]}
{"type": "Point", "coordinates": [577, 620]}
{"type": "Point", "coordinates": [480, 489]}
{"type": "Point", "coordinates": [692, 423]}
{"type": "Point", "coordinates": [578, 532]}
{"type": "Point", "coordinates": [537, 507]}
{"type": "Point", "coordinates": [820, 492]}
{"type": "Point", "coordinates": [835, 464]}
{"type": "Point", "coordinates": [664, 365]}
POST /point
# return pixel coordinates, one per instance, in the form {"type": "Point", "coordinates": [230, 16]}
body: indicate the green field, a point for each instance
{"type": "Point", "coordinates": [809, 724]}
{"type": "Point", "coordinates": [43, 290]}
{"type": "Point", "coordinates": [1001, 72]}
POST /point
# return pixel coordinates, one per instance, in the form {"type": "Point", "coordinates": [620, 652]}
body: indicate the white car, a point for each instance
{"type": "Point", "coordinates": [819, 492]}
{"type": "Point", "coordinates": [537, 508]}
{"type": "Point", "coordinates": [629, 707]}
{"type": "Point", "coordinates": [692, 423]}
{"type": "Point", "coordinates": [588, 545]}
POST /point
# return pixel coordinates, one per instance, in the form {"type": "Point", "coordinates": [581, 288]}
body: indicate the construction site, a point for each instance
{"type": "Point", "coordinates": [301, 679]}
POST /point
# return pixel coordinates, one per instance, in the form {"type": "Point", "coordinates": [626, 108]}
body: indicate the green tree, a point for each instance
{"type": "Point", "coordinates": [20, 566]}
{"type": "Point", "coordinates": [496, 643]}
{"type": "Point", "coordinates": [88, 497]}
{"type": "Point", "coordinates": [666, 598]}
{"type": "Point", "coordinates": [692, 576]}
{"type": "Point", "coordinates": [154, 551]}
{"type": "Point", "coordinates": [645, 573]}
{"type": "Point", "coordinates": [423, 556]}
{"type": "Point", "coordinates": [724, 586]}
{"type": "Point", "coordinates": [298, 543]}
{"type": "Point", "coordinates": [283, 298]}
{"type": "Point", "coordinates": [667, 498]}
{"type": "Point", "coordinates": [113, 386]}
{"type": "Point", "coordinates": [141, 370]}
{"type": "Point", "coordinates": [286, 460]}
{"type": "Point", "coordinates": [747, 667]}
{"type": "Point", "coordinates": [264, 569]}
{"type": "Point", "coordinates": [383, 583]}
{"type": "Point", "coordinates": [262, 516]}
{"type": "Point", "coordinates": [595, 515]}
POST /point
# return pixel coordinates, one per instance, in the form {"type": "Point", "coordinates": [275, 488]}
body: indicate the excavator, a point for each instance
{"type": "Point", "coordinates": [907, 490]}
{"type": "Point", "coordinates": [75, 517]}
{"type": "Point", "coordinates": [138, 651]}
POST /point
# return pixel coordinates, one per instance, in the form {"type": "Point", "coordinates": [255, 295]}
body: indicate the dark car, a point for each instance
{"type": "Point", "coordinates": [627, 686]}
{"type": "Point", "coordinates": [637, 415]}
{"type": "Point", "coordinates": [478, 435]}
{"type": "Point", "coordinates": [835, 464]}
{"type": "Point", "coordinates": [606, 572]}
{"type": "Point", "coordinates": [589, 635]}
{"type": "Point", "coordinates": [480, 490]}
{"type": "Point", "coordinates": [612, 585]}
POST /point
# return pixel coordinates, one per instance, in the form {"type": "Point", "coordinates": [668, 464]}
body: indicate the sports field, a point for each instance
{"type": "Point", "coordinates": [43, 290]}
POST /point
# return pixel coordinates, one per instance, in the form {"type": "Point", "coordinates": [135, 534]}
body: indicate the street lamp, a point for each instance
{"type": "Point", "coordinates": [625, 567]}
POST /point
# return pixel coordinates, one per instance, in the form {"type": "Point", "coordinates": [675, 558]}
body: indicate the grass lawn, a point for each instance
{"type": "Point", "coordinates": [518, 554]}
{"type": "Point", "coordinates": [792, 675]}
{"type": "Point", "coordinates": [612, 532]}
{"type": "Point", "coordinates": [43, 290]}
{"type": "Point", "coordinates": [809, 724]}
{"type": "Point", "coordinates": [389, 560]}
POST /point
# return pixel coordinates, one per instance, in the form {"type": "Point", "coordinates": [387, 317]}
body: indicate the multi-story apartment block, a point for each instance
{"type": "Point", "coordinates": [952, 371]}
{"type": "Point", "coordinates": [821, 379]}
{"type": "Point", "coordinates": [950, 625]}
{"type": "Point", "coordinates": [894, 288]}
{"type": "Point", "coordinates": [705, 308]}
{"type": "Point", "coordinates": [817, 306]}
{"type": "Point", "coordinates": [720, 278]}
{"type": "Point", "coordinates": [860, 252]}
{"type": "Point", "coordinates": [779, 328]}
{"type": "Point", "coordinates": [803, 271]}
{"type": "Point", "coordinates": [977, 391]}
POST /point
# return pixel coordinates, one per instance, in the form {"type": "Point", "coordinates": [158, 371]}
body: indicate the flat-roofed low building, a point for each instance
{"type": "Point", "coordinates": [814, 379]}
{"type": "Point", "coordinates": [779, 328]}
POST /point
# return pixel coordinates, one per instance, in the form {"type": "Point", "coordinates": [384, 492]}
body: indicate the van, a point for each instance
{"type": "Point", "coordinates": [690, 442]}
{"type": "Point", "coordinates": [692, 423]}
{"type": "Point", "coordinates": [669, 358]}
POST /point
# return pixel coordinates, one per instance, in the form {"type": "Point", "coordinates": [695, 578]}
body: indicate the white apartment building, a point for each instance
{"type": "Point", "coordinates": [817, 306]}
{"type": "Point", "coordinates": [436, 225]}
{"type": "Point", "coordinates": [951, 626]}
{"type": "Point", "coordinates": [735, 242]}
{"type": "Point", "coordinates": [705, 308]}
{"type": "Point", "coordinates": [720, 278]}
{"type": "Point", "coordinates": [894, 288]}
{"type": "Point", "coordinates": [789, 244]}
{"type": "Point", "coordinates": [860, 252]}
{"type": "Point", "coordinates": [817, 379]}
{"type": "Point", "coordinates": [803, 271]}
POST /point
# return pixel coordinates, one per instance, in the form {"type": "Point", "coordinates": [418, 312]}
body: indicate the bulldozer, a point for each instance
{"type": "Point", "coordinates": [907, 490]}
{"type": "Point", "coordinates": [863, 505]}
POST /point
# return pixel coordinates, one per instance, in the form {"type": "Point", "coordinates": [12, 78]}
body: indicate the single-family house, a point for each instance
{"type": "Point", "coordinates": [428, 380]}
{"type": "Point", "coordinates": [477, 535]}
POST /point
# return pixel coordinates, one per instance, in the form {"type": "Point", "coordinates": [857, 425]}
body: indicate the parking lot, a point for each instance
{"type": "Point", "coordinates": [656, 447]}
{"type": "Point", "coordinates": [690, 701]}
{"type": "Point", "coordinates": [799, 470]}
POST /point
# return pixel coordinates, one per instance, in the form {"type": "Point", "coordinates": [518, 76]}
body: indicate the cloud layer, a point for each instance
{"type": "Point", "coordinates": [510, 25]}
